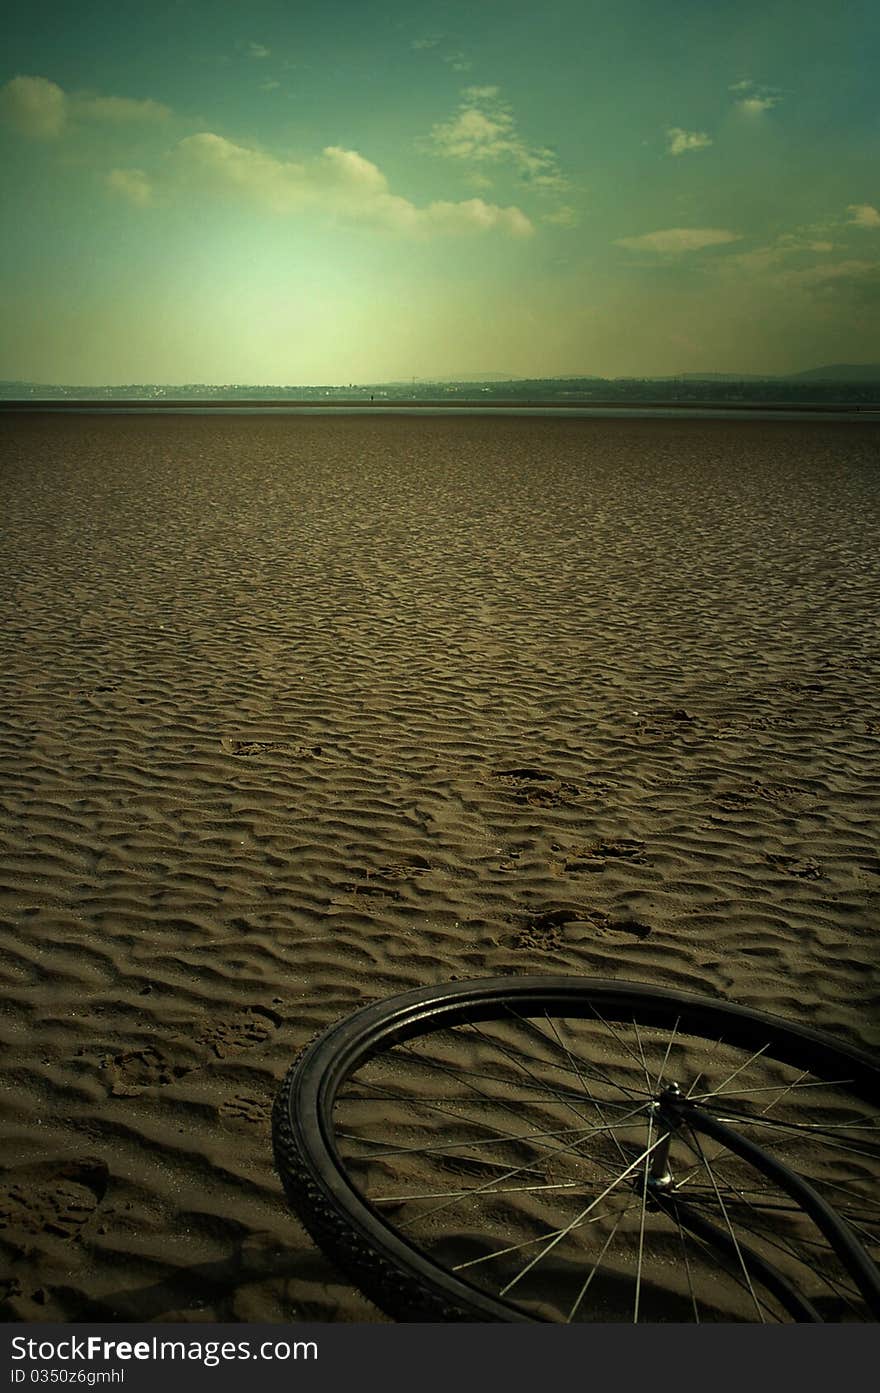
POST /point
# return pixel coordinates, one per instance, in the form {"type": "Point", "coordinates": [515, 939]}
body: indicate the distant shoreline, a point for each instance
{"type": "Point", "coordinates": [404, 404]}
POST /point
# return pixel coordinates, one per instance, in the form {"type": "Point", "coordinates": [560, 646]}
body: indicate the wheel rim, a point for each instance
{"type": "Point", "coordinates": [526, 1157]}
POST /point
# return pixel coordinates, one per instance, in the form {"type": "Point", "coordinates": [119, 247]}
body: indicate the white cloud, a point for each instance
{"type": "Point", "coordinates": [258, 50]}
{"type": "Point", "coordinates": [483, 131]}
{"type": "Point", "coordinates": [340, 182]}
{"type": "Point", "coordinates": [270, 85]}
{"type": "Point", "coordinates": [118, 109]}
{"type": "Point", "coordinates": [43, 110]}
{"type": "Point", "coordinates": [753, 106]}
{"type": "Point", "coordinates": [788, 244]}
{"type": "Point", "coordinates": [131, 184]}
{"type": "Point", "coordinates": [475, 215]}
{"type": "Point", "coordinates": [681, 141]}
{"type": "Point", "coordinates": [679, 239]}
{"type": "Point", "coordinates": [427, 42]}
{"type": "Point", "coordinates": [35, 106]}
{"type": "Point", "coordinates": [753, 99]}
{"type": "Point", "coordinates": [863, 215]}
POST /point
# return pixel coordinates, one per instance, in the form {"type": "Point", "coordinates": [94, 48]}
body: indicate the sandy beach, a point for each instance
{"type": "Point", "coordinates": [300, 712]}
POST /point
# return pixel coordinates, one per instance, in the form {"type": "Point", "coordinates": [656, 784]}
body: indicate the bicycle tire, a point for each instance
{"type": "Point", "coordinates": [396, 1274]}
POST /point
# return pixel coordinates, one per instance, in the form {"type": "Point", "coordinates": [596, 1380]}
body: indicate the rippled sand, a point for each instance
{"type": "Point", "coordinates": [299, 712]}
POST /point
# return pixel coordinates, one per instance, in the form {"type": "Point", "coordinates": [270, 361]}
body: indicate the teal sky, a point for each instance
{"type": "Point", "coordinates": [358, 190]}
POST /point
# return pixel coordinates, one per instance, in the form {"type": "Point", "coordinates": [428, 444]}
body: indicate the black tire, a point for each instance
{"type": "Point", "coordinates": [409, 1283]}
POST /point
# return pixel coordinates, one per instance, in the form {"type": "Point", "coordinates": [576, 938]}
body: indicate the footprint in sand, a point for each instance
{"type": "Point", "coordinates": [49, 1200]}
{"type": "Point", "coordinates": [667, 721]}
{"type": "Point", "coordinates": [551, 929]}
{"type": "Point", "coordinates": [245, 748]}
{"type": "Point", "coordinates": [596, 855]}
{"type": "Point", "coordinates": [805, 869]}
{"type": "Point", "coordinates": [366, 894]}
{"type": "Point", "coordinates": [244, 1031]}
{"type": "Point", "coordinates": [404, 870]}
{"type": "Point", "coordinates": [536, 787]}
{"type": "Point", "coordinates": [243, 1107]}
{"type": "Point", "coordinates": [132, 1071]}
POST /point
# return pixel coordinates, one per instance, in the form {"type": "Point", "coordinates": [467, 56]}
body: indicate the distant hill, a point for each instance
{"type": "Point", "coordinates": [839, 372]}
{"type": "Point", "coordinates": [724, 377]}
{"type": "Point", "coordinates": [474, 377]}
{"type": "Point", "coordinates": [836, 372]}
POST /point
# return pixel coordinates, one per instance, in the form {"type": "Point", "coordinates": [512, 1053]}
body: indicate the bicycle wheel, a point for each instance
{"type": "Point", "coordinates": [559, 1148]}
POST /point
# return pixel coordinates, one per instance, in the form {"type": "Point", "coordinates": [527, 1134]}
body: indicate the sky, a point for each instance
{"type": "Point", "coordinates": [335, 191]}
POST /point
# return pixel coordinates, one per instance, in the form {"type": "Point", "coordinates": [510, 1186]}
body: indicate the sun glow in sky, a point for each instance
{"type": "Point", "coordinates": [359, 190]}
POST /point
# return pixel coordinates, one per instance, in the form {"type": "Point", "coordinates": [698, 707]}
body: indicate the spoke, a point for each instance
{"type": "Point", "coordinates": [508, 1175]}
{"type": "Point", "coordinates": [438, 1148]}
{"type": "Point", "coordinates": [849, 1217]}
{"type": "Point", "coordinates": [500, 1139]}
{"type": "Point", "coordinates": [416, 1103]}
{"type": "Point", "coordinates": [730, 1077]}
{"type": "Point", "coordinates": [642, 1223]}
{"type": "Point", "coordinates": [497, 1044]}
{"type": "Point", "coordinates": [529, 1024]}
{"type": "Point", "coordinates": [498, 1102]}
{"type": "Point", "coordinates": [620, 1040]}
{"type": "Point", "coordinates": [805, 1260]}
{"type": "Point", "coordinates": [530, 1242]}
{"type": "Point", "coordinates": [715, 1048]}
{"type": "Point", "coordinates": [768, 1088]}
{"type": "Point", "coordinates": [802, 1132]}
{"type": "Point", "coordinates": [590, 1207]}
{"type": "Point", "coordinates": [586, 1086]}
{"type": "Point", "coordinates": [597, 1264]}
{"type": "Point", "coordinates": [701, 1154]}
{"type": "Point", "coordinates": [728, 1269]}
{"type": "Point", "coordinates": [472, 1190]}
{"type": "Point", "coordinates": [419, 1100]}
{"type": "Point", "coordinates": [687, 1266]}
{"type": "Point", "coordinates": [642, 1055]}
{"type": "Point", "coordinates": [666, 1055]}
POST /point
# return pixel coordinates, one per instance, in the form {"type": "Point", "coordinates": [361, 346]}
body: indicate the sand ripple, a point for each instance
{"type": "Point", "coordinates": [300, 712]}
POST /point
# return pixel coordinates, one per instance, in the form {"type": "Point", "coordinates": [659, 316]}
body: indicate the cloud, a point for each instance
{"type": "Point", "coordinates": [483, 131]}
{"type": "Point", "coordinates": [787, 245]}
{"type": "Point", "coordinates": [475, 215]}
{"type": "Point", "coordinates": [35, 106]}
{"type": "Point", "coordinates": [863, 215]}
{"type": "Point", "coordinates": [829, 275]}
{"type": "Point", "coordinates": [679, 239]}
{"type": "Point", "coordinates": [132, 185]}
{"type": "Point", "coordinates": [118, 109]}
{"type": "Point", "coordinates": [270, 85]}
{"type": "Point", "coordinates": [753, 99]}
{"type": "Point", "coordinates": [455, 59]}
{"type": "Point", "coordinates": [43, 110]}
{"type": "Point", "coordinates": [562, 217]}
{"type": "Point", "coordinates": [258, 50]}
{"type": "Point", "coordinates": [753, 106]}
{"type": "Point", "coordinates": [680, 141]}
{"type": "Point", "coordinates": [340, 183]}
